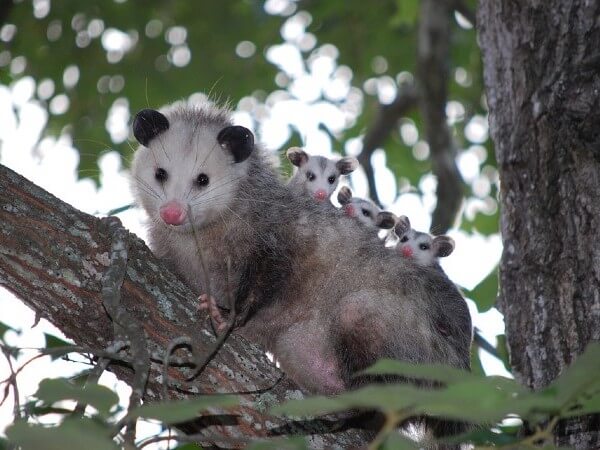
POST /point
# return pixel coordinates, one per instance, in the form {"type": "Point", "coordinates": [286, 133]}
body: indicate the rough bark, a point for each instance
{"type": "Point", "coordinates": [53, 257]}
{"type": "Point", "coordinates": [542, 64]}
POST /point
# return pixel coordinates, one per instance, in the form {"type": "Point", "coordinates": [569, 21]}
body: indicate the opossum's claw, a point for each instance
{"type": "Point", "coordinates": [210, 304]}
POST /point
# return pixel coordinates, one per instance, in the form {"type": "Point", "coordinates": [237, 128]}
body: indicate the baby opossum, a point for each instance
{"type": "Point", "coordinates": [318, 290]}
{"type": "Point", "coordinates": [422, 247]}
{"type": "Point", "coordinates": [318, 176]}
{"type": "Point", "coordinates": [364, 211]}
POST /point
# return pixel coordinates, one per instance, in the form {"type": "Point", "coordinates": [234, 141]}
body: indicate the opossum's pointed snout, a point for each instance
{"type": "Point", "coordinates": [172, 213]}
{"type": "Point", "coordinates": [320, 195]}
{"type": "Point", "coordinates": [350, 210]}
{"type": "Point", "coordinates": [407, 252]}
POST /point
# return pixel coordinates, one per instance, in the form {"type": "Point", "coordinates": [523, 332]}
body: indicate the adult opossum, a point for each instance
{"type": "Point", "coordinates": [319, 290]}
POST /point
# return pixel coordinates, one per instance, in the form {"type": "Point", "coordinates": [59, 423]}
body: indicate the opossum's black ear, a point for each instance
{"type": "Point", "coordinates": [347, 165]}
{"type": "Point", "coordinates": [148, 124]}
{"type": "Point", "coordinates": [297, 156]}
{"type": "Point", "coordinates": [442, 246]}
{"type": "Point", "coordinates": [344, 195]}
{"type": "Point", "coordinates": [239, 141]}
{"type": "Point", "coordinates": [402, 226]}
{"type": "Point", "coordinates": [386, 220]}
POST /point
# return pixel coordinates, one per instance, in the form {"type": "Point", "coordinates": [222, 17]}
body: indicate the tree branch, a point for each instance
{"type": "Point", "coordinates": [433, 73]}
{"type": "Point", "coordinates": [54, 258]}
{"type": "Point", "coordinates": [386, 120]}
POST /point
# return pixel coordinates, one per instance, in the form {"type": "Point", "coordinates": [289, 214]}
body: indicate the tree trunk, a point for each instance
{"type": "Point", "coordinates": [54, 257]}
{"type": "Point", "coordinates": [542, 60]}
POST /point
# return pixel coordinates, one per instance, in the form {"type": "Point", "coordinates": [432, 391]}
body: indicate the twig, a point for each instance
{"type": "Point", "coordinates": [97, 371]}
{"type": "Point", "coordinates": [13, 383]}
{"type": "Point", "coordinates": [124, 324]}
{"type": "Point", "coordinates": [65, 350]}
{"type": "Point", "coordinates": [380, 129]}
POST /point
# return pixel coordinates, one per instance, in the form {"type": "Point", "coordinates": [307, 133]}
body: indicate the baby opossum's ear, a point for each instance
{"type": "Point", "coordinates": [402, 226]}
{"type": "Point", "coordinates": [297, 156]}
{"type": "Point", "coordinates": [386, 220]}
{"type": "Point", "coordinates": [148, 124]}
{"type": "Point", "coordinates": [237, 140]}
{"type": "Point", "coordinates": [442, 246]}
{"type": "Point", "coordinates": [346, 165]}
{"type": "Point", "coordinates": [344, 195]}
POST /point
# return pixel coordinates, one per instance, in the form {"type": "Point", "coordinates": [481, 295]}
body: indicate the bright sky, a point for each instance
{"type": "Point", "coordinates": [309, 86]}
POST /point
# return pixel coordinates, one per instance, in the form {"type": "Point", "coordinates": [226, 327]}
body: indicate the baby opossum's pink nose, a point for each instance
{"type": "Point", "coordinates": [172, 213]}
{"type": "Point", "coordinates": [350, 210]}
{"type": "Point", "coordinates": [320, 195]}
{"type": "Point", "coordinates": [407, 251]}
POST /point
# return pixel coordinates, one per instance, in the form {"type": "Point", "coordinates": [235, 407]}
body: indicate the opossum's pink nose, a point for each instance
{"type": "Point", "coordinates": [320, 195]}
{"type": "Point", "coordinates": [407, 252]}
{"type": "Point", "coordinates": [172, 213]}
{"type": "Point", "coordinates": [350, 210]}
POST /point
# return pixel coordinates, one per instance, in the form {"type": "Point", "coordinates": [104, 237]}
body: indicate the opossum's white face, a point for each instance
{"type": "Point", "coordinates": [365, 211]}
{"type": "Point", "coordinates": [417, 246]}
{"type": "Point", "coordinates": [187, 171]}
{"type": "Point", "coordinates": [422, 248]}
{"type": "Point", "coordinates": [316, 175]}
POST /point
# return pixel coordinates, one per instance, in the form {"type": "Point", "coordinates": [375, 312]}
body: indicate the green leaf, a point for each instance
{"type": "Point", "coordinates": [589, 405]}
{"type": "Point", "coordinates": [580, 380]}
{"type": "Point", "coordinates": [390, 397]}
{"type": "Point", "coordinates": [95, 395]}
{"type": "Point", "coordinates": [4, 328]}
{"type": "Point", "coordinates": [292, 443]}
{"type": "Point", "coordinates": [56, 342]}
{"type": "Point", "coordinates": [188, 447]}
{"type": "Point", "coordinates": [77, 434]}
{"type": "Point", "coordinates": [485, 437]}
{"type": "Point", "coordinates": [397, 442]}
{"type": "Point", "coordinates": [432, 372]}
{"type": "Point", "coordinates": [121, 209]}
{"type": "Point", "coordinates": [182, 410]}
{"type": "Point", "coordinates": [485, 293]}
{"type": "Point", "coordinates": [489, 399]}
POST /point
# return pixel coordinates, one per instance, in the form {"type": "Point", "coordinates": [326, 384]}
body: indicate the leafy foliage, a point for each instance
{"type": "Point", "coordinates": [490, 400]}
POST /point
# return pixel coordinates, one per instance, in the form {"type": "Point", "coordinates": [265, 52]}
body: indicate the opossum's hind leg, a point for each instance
{"type": "Point", "coordinates": [375, 325]}
{"type": "Point", "coordinates": [210, 304]}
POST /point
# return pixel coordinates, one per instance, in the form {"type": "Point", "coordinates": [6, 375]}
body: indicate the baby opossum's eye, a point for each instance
{"type": "Point", "coordinates": [161, 175]}
{"type": "Point", "coordinates": [331, 179]}
{"type": "Point", "coordinates": [404, 239]}
{"type": "Point", "coordinates": [366, 212]}
{"type": "Point", "coordinates": [202, 180]}
{"type": "Point", "coordinates": [424, 246]}
{"type": "Point", "coordinates": [310, 176]}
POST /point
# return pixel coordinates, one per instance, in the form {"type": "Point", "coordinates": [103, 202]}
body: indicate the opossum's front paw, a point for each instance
{"type": "Point", "coordinates": [210, 304]}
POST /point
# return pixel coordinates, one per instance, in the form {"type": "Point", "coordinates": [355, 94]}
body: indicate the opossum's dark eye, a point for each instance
{"type": "Point", "coordinates": [202, 180]}
{"type": "Point", "coordinates": [161, 175]}
{"type": "Point", "coordinates": [310, 176]}
{"type": "Point", "coordinates": [424, 246]}
{"type": "Point", "coordinates": [366, 212]}
{"type": "Point", "coordinates": [404, 239]}
{"type": "Point", "coordinates": [331, 179]}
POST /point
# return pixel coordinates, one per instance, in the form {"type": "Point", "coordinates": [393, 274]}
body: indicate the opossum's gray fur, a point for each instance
{"type": "Point", "coordinates": [323, 295]}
